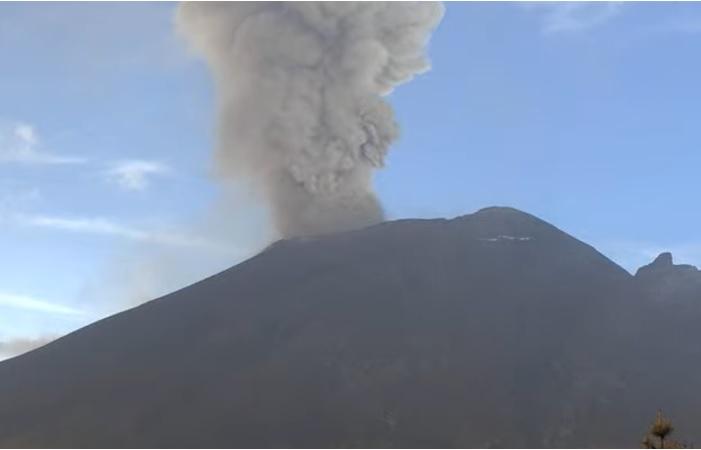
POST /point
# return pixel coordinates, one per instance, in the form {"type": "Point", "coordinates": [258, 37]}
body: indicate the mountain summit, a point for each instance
{"type": "Point", "coordinates": [494, 329]}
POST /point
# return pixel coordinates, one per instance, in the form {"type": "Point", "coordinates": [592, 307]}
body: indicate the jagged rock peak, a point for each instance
{"type": "Point", "coordinates": [664, 264]}
{"type": "Point", "coordinates": [663, 260]}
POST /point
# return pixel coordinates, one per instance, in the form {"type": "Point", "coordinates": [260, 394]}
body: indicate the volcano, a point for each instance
{"type": "Point", "coordinates": [494, 329]}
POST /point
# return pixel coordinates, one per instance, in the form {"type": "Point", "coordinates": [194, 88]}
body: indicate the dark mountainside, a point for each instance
{"type": "Point", "coordinates": [494, 329]}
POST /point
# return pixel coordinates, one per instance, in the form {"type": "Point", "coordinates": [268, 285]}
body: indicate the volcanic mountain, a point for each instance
{"type": "Point", "coordinates": [494, 329]}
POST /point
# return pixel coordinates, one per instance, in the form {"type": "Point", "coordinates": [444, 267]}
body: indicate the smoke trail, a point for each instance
{"type": "Point", "coordinates": [300, 89]}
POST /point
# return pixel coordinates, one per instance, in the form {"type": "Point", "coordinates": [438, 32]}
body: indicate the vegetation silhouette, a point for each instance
{"type": "Point", "coordinates": [657, 435]}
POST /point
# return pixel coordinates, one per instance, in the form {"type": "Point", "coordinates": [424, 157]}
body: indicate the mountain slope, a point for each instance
{"type": "Point", "coordinates": [492, 329]}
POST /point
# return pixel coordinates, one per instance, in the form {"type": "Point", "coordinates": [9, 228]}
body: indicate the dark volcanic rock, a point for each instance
{"type": "Point", "coordinates": [666, 281]}
{"type": "Point", "coordinates": [492, 329]}
{"type": "Point", "coordinates": [664, 261]}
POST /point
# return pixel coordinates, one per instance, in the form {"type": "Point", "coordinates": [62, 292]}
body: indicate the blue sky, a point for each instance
{"type": "Point", "coordinates": [583, 114]}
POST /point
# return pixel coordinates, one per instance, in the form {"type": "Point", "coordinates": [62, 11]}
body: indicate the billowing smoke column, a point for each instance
{"type": "Point", "coordinates": [300, 89]}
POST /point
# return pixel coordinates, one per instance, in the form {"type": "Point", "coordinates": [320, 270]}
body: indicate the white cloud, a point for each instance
{"type": "Point", "coordinates": [34, 304]}
{"type": "Point", "coordinates": [106, 227]}
{"type": "Point", "coordinates": [562, 17]}
{"type": "Point", "coordinates": [19, 143]}
{"type": "Point", "coordinates": [134, 175]}
{"type": "Point", "coordinates": [25, 133]}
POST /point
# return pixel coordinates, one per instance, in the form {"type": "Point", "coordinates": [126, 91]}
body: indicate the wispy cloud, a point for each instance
{"type": "Point", "coordinates": [35, 304]}
{"type": "Point", "coordinates": [564, 17]}
{"type": "Point", "coordinates": [100, 226]}
{"type": "Point", "coordinates": [134, 175]}
{"type": "Point", "coordinates": [19, 143]}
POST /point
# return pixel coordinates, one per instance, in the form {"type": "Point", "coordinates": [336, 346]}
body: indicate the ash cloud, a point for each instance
{"type": "Point", "coordinates": [300, 90]}
{"type": "Point", "coordinates": [16, 347]}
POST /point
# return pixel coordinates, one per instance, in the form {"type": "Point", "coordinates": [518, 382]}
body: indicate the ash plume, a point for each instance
{"type": "Point", "coordinates": [300, 91]}
{"type": "Point", "coordinates": [15, 347]}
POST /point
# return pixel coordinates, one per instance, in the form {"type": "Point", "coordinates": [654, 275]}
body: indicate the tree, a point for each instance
{"type": "Point", "coordinates": [658, 433]}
